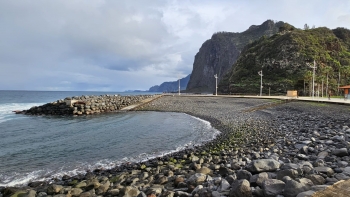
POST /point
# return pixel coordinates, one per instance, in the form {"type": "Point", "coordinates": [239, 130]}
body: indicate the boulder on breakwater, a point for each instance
{"type": "Point", "coordinates": [85, 105]}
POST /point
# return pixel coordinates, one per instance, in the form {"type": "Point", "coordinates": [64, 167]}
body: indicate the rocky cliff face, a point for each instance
{"type": "Point", "coordinates": [218, 54]}
{"type": "Point", "coordinates": [172, 86]}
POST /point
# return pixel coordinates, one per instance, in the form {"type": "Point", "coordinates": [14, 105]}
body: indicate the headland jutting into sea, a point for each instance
{"type": "Point", "coordinates": [266, 148]}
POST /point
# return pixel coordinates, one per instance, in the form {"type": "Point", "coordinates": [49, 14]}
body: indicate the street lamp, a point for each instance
{"type": "Point", "coordinates": [216, 84]}
{"type": "Point", "coordinates": [313, 78]}
{"type": "Point", "coordinates": [260, 73]}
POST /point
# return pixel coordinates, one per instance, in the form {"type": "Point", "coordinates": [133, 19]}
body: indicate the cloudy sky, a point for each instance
{"type": "Point", "coordinates": [115, 45]}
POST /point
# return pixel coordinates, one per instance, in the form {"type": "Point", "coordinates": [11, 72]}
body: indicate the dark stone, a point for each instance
{"type": "Point", "coordinates": [243, 174]}
{"type": "Point", "coordinates": [304, 150]}
{"type": "Point", "coordinates": [340, 152]}
{"type": "Point", "coordinates": [240, 188]}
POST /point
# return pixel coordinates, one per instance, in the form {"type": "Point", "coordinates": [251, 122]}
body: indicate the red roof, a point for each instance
{"type": "Point", "coordinates": [345, 87]}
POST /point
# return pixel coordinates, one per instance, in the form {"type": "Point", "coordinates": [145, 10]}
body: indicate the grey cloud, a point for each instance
{"type": "Point", "coordinates": [117, 45]}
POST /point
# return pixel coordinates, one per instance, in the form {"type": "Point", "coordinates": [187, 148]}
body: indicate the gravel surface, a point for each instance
{"type": "Point", "coordinates": [266, 148]}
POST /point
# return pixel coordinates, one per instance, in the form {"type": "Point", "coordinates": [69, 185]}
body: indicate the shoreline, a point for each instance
{"type": "Point", "coordinates": [221, 165]}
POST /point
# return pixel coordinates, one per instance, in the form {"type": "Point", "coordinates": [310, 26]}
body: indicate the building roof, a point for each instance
{"type": "Point", "coordinates": [345, 87]}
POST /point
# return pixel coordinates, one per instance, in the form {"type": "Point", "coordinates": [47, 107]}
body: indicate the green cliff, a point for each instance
{"type": "Point", "coordinates": [283, 60]}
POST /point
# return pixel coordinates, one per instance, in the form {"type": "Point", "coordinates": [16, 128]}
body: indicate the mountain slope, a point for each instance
{"type": "Point", "coordinates": [172, 86]}
{"type": "Point", "coordinates": [218, 54]}
{"type": "Point", "coordinates": [283, 60]}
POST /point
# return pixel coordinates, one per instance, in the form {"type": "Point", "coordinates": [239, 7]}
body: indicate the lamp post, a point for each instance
{"type": "Point", "coordinates": [216, 84]}
{"type": "Point", "coordinates": [313, 78]}
{"type": "Point", "coordinates": [260, 73]}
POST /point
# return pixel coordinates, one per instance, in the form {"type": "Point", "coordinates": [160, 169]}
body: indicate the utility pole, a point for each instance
{"type": "Point", "coordinates": [179, 85]}
{"type": "Point", "coordinates": [261, 74]}
{"type": "Point", "coordinates": [313, 78]}
{"type": "Point", "coordinates": [216, 84]}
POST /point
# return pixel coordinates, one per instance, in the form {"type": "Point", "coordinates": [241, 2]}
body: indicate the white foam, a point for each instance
{"type": "Point", "coordinates": [17, 179]}
{"type": "Point", "coordinates": [6, 110]}
{"type": "Point", "coordinates": [208, 126]}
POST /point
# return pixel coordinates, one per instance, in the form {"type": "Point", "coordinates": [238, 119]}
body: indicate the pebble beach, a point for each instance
{"type": "Point", "coordinates": [266, 148]}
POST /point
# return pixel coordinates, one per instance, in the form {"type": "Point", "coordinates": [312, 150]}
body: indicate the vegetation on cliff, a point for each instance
{"type": "Point", "coordinates": [283, 60]}
{"type": "Point", "coordinates": [218, 54]}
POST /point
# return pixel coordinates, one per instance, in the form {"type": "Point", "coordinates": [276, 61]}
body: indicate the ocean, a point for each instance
{"type": "Point", "coordinates": [37, 148]}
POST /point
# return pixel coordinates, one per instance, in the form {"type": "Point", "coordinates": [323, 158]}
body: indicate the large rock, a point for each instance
{"type": "Point", "coordinates": [288, 172]}
{"type": "Point", "coordinates": [240, 188]}
{"type": "Point", "coordinates": [54, 189]}
{"type": "Point", "coordinates": [224, 185]}
{"type": "Point", "coordinates": [204, 170]}
{"type": "Point", "coordinates": [325, 170]}
{"type": "Point", "coordinates": [316, 179]}
{"type": "Point", "coordinates": [272, 187]}
{"type": "Point", "coordinates": [346, 171]}
{"type": "Point", "coordinates": [161, 180]}
{"type": "Point", "coordinates": [293, 188]}
{"type": "Point", "coordinates": [322, 155]}
{"type": "Point", "coordinates": [263, 165]}
{"type": "Point", "coordinates": [243, 174]}
{"type": "Point", "coordinates": [103, 187]}
{"type": "Point", "coordinates": [76, 192]}
{"type": "Point", "coordinates": [197, 179]}
{"type": "Point", "coordinates": [259, 178]}
{"type": "Point", "coordinates": [131, 191]}
{"type": "Point", "coordinates": [341, 176]}
{"type": "Point", "coordinates": [340, 152]}
{"type": "Point", "coordinates": [289, 166]}
{"type": "Point", "coordinates": [89, 193]}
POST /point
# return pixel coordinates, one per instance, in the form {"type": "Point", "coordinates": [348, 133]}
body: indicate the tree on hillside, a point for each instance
{"type": "Point", "coordinates": [306, 27]}
{"type": "Point", "coordinates": [327, 70]}
{"type": "Point", "coordinates": [346, 73]}
{"type": "Point", "coordinates": [308, 78]}
{"type": "Point", "coordinates": [338, 66]}
{"type": "Point", "coordinates": [320, 80]}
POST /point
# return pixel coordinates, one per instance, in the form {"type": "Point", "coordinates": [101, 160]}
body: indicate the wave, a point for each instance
{"type": "Point", "coordinates": [18, 179]}
{"type": "Point", "coordinates": [204, 131]}
{"type": "Point", "coordinates": [6, 110]}
{"type": "Point", "coordinates": [208, 125]}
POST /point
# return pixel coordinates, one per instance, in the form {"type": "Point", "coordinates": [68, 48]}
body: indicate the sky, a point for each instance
{"type": "Point", "coordinates": [116, 45]}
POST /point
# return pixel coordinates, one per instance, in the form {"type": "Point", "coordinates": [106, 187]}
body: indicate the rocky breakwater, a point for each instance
{"type": "Point", "coordinates": [85, 105]}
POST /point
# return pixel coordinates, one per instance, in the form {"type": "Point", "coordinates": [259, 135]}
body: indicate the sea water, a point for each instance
{"type": "Point", "coordinates": [34, 148]}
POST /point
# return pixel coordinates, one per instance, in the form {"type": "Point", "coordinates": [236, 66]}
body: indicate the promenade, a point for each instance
{"type": "Point", "coordinates": [300, 98]}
